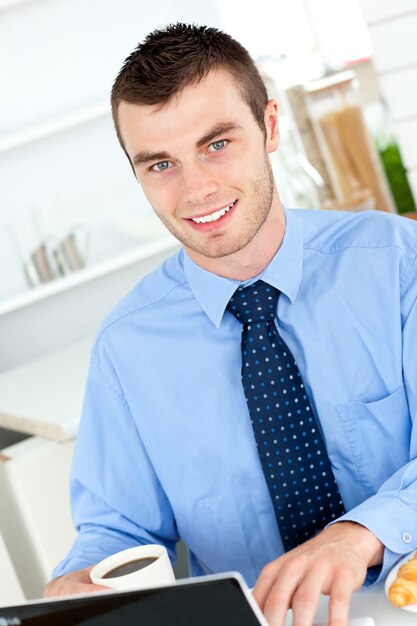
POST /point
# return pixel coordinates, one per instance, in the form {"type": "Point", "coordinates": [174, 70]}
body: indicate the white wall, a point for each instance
{"type": "Point", "coordinates": [59, 58]}
{"type": "Point", "coordinates": [58, 55]}
{"type": "Point", "coordinates": [393, 30]}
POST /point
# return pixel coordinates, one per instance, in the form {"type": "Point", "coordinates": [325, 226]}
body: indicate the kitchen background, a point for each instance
{"type": "Point", "coordinates": [76, 232]}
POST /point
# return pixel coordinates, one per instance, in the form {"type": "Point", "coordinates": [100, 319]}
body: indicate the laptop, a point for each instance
{"type": "Point", "coordinates": [217, 600]}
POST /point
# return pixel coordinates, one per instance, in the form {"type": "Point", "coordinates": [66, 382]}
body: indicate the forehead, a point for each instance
{"type": "Point", "coordinates": [214, 100]}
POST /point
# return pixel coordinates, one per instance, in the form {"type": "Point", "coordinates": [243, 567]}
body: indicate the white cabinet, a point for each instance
{"type": "Point", "coordinates": [10, 587]}
{"type": "Point", "coordinates": [41, 398]}
{"type": "Point", "coordinates": [35, 519]}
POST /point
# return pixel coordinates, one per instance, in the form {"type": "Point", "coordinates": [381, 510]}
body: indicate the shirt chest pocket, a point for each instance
{"type": "Point", "coordinates": [379, 436]}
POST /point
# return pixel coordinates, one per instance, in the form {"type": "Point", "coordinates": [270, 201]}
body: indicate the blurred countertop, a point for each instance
{"type": "Point", "coordinates": [44, 397]}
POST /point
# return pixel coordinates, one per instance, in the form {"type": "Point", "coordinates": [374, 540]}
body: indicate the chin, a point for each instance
{"type": "Point", "coordinates": [219, 249]}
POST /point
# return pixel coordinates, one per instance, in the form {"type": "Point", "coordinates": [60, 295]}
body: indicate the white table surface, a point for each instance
{"type": "Point", "coordinates": [370, 602]}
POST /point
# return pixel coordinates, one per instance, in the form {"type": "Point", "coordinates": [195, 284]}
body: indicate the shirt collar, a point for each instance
{"type": "Point", "coordinates": [284, 272]}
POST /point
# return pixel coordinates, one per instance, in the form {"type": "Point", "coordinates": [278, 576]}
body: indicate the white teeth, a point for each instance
{"type": "Point", "coordinates": [212, 217]}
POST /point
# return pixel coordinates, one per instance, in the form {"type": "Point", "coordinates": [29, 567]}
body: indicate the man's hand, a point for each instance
{"type": "Point", "coordinates": [334, 563]}
{"type": "Point", "coordinates": [69, 584]}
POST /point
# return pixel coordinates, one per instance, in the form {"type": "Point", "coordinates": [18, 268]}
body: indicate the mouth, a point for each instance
{"type": "Point", "coordinates": [215, 218]}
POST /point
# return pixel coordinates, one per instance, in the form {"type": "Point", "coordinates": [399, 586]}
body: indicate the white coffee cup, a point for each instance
{"type": "Point", "coordinates": [158, 573]}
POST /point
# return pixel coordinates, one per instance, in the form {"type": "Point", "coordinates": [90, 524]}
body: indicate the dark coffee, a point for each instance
{"type": "Point", "coordinates": [130, 567]}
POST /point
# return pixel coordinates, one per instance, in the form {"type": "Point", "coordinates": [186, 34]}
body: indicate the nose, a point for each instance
{"type": "Point", "coordinates": [198, 182]}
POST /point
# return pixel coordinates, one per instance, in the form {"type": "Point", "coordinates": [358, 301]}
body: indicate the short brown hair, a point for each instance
{"type": "Point", "coordinates": [179, 55]}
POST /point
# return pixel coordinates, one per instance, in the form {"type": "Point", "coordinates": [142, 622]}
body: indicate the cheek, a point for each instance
{"type": "Point", "coordinates": [233, 172]}
{"type": "Point", "coordinates": [241, 173]}
{"type": "Point", "coordinates": [248, 162]}
{"type": "Point", "coordinates": [161, 196]}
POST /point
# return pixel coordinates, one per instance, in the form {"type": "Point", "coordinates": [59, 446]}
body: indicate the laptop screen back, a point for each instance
{"type": "Point", "coordinates": [220, 602]}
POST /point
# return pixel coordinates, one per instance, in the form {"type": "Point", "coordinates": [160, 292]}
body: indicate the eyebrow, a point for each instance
{"type": "Point", "coordinates": [145, 157]}
{"type": "Point", "coordinates": [220, 129]}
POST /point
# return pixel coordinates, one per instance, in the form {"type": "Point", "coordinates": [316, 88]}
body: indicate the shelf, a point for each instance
{"type": "Point", "coordinates": [53, 126]}
{"type": "Point", "coordinates": [141, 251]}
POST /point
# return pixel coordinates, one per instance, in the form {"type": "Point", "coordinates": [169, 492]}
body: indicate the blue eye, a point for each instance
{"type": "Point", "coordinates": [218, 145]}
{"type": "Point", "coordinates": [161, 166]}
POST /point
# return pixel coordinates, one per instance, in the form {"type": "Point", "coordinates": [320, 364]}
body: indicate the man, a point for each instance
{"type": "Point", "coordinates": [170, 443]}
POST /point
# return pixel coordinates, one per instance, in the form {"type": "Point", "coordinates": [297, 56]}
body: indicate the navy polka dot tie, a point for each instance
{"type": "Point", "coordinates": [292, 452]}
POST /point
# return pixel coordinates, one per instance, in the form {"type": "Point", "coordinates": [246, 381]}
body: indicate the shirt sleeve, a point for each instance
{"type": "Point", "coordinates": [117, 500]}
{"type": "Point", "coordinates": [391, 515]}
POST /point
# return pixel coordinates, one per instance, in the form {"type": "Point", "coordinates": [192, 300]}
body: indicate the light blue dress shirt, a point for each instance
{"type": "Point", "coordinates": [165, 447]}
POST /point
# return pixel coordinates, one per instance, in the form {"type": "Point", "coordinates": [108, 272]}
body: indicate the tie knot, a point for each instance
{"type": "Point", "coordinates": [255, 303]}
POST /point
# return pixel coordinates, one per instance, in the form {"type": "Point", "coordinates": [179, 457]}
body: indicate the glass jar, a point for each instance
{"type": "Point", "coordinates": [356, 176]}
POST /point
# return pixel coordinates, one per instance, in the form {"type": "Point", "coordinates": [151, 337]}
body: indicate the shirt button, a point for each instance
{"type": "Point", "coordinates": [406, 537]}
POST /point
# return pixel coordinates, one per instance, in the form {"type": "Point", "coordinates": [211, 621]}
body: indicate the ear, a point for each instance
{"type": "Point", "coordinates": [271, 125]}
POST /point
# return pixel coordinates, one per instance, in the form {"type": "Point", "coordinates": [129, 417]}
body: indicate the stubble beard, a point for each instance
{"type": "Point", "coordinates": [219, 245]}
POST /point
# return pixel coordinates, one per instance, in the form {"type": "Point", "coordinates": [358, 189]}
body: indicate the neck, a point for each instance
{"type": "Point", "coordinates": [255, 256]}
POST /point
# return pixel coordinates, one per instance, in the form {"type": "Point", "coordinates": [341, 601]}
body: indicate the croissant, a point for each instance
{"type": "Point", "coordinates": [403, 592]}
{"type": "Point", "coordinates": [408, 570]}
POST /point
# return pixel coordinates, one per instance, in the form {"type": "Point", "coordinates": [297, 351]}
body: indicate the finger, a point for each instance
{"type": "Point", "coordinates": [73, 583]}
{"type": "Point", "coordinates": [280, 593]}
{"type": "Point", "coordinates": [88, 584]}
{"type": "Point", "coordinates": [270, 573]}
{"type": "Point", "coordinates": [265, 581]}
{"type": "Point", "coordinates": [306, 599]}
{"type": "Point", "coordinates": [93, 588]}
{"type": "Point", "coordinates": [276, 606]}
{"type": "Point", "coordinates": [72, 588]}
{"type": "Point", "coordinates": [340, 593]}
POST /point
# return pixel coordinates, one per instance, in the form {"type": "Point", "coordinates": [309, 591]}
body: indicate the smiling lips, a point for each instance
{"type": "Point", "coordinates": [213, 217]}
